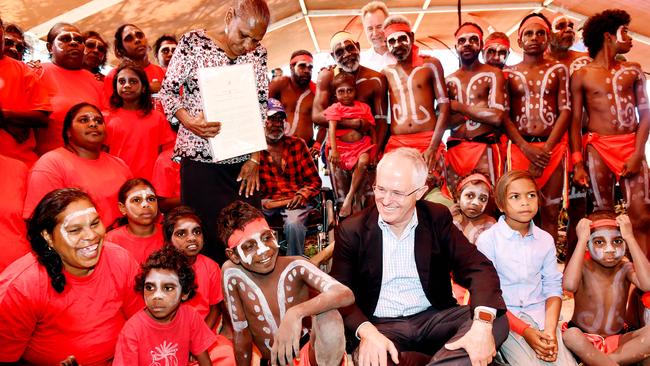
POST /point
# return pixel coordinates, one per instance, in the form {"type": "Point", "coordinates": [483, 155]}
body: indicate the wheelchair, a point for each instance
{"type": "Point", "coordinates": [320, 225]}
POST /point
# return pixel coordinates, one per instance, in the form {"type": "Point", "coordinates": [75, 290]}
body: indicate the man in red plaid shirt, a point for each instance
{"type": "Point", "coordinates": [289, 179]}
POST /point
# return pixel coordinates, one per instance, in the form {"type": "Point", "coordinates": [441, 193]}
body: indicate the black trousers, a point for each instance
{"type": "Point", "coordinates": [421, 338]}
{"type": "Point", "coordinates": [208, 188]}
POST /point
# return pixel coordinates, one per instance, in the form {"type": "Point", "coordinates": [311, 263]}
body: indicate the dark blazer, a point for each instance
{"type": "Point", "coordinates": [440, 249]}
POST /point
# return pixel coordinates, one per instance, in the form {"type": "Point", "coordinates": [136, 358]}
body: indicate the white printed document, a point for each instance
{"type": "Point", "coordinates": [230, 96]}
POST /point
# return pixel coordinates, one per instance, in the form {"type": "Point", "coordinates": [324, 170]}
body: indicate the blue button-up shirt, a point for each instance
{"type": "Point", "coordinates": [526, 266]}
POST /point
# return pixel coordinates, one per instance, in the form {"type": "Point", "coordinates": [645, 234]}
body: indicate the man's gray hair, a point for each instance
{"type": "Point", "coordinates": [402, 155]}
{"type": "Point", "coordinates": [396, 19]}
{"type": "Point", "coordinates": [373, 6]}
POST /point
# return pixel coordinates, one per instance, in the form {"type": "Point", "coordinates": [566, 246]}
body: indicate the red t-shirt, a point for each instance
{"type": "Point", "coordinates": [60, 168]}
{"type": "Point", "coordinates": [43, 327]}
{"type": "Point", "coordinates": [20, 90]}
{"type": "Point", "coordinates": [13, 231]}
{"type": "Point", "coordinates": [139, 247]}
{"type": "Point", "coordinates": [65, 89]}
{"type": "Point", "coordinates": [153, 72]}
{"type": "Point", "coordinates": [138, 139]}
{"type": "Point", "coordinates": [167, 175]}
{"type": "Point", "coordinates": [144, 341]}
{"type": "Point", "coordinates": [208, 278]}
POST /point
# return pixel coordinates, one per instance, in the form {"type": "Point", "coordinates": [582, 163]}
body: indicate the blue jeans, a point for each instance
{"type": "Point", "coordinates": [293, 222]}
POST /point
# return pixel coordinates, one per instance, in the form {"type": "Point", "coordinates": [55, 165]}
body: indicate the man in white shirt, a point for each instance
{"type": "Point", "coordinates": [377, 56]}
{"type": "Point", "coordinates": [398, 258]}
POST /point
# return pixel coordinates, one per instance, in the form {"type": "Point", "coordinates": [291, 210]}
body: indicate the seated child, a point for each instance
{"type": "Point", "coordinates": [472, 196]}
{"type": "Point", "coordinates": [268, 296]}
{"type": "Point", "coordinates": [183, 230]}
{"type": "Point", "coordinates": [350, 149]}
{"type": "Point", "coordinates": [138, 231]}
{"type": "Point", "coordinates": [167, 331]}
{"type": "Point", "coordinates": [600, 281]}
{"type": "Point", "coordinates": [524, 257]}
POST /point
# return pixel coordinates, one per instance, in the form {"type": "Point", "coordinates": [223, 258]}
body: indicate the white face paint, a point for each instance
{"type": "Point", "coordinates": [619, 34]}
{"type": "Point", "coordinates": [83, 217]}
{"type": "Point", "coordinates": [467, 38]}
{"type": "Point", "coordinates": [143, 202]}
{"type": "Point", "coordinates": [261, 248]}
{"type": "Point", "coordinates": [65, 38]}
{"type": "Point", "coordinates": [160, 279]}
{"type": "Point", "coordinates": [473, 199]}
{"type": "Point", "coordinates": [396, 39]}
{"type": "Point", "coordinates": [606, 246]}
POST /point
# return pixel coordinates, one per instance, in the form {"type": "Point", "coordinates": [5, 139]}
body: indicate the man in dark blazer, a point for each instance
{"type": "Point", "coordinates": [398, 258]}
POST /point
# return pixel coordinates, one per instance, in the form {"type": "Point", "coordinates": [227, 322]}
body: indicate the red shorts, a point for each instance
{"type": "Point", "coordinates": [606, 345]}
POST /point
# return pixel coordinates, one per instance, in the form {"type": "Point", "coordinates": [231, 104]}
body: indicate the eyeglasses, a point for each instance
{"type": "Point", "coordinates": [20, 46]}
{"type": "Point", "coordinates": [165, 50]}
{"type": "Point", "coordinates": [383, 192]}
{"type": "Point", "coordinates": [95, 44]}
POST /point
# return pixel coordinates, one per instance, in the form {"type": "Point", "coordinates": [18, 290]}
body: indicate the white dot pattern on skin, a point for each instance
{"type": "Point", "coordinates": [266, 330]}
{"type": "Point", "coordinates": [294, 272]}
{"type": "Point", "coordinates": [242, 287]}
{"type": "Point", "coordinates": [290, 278]}
{"type": "Point", "coordinates": [260, 318]}
{"type": "Point", "coordinates": [257, 308]}
{"type": "Point", "coordinates": [251, 296]}
{"type": "Point", "coordinates": [302, 270]}
{"type": "Point", "coordinates": [288, 288]}
{"type": "Point", "coordinates": [290, 299]}
{"type": "Point", "coordinates": [230, 287]}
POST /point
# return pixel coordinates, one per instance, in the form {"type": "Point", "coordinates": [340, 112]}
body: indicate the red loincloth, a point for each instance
{"type": "Point", "coordinates": [614, 150]}
{"type": "Point", "coordinates": [418, 140]}
{"type": "Point", "coordinates": [465, 156]}
{"type": "Point", "coordinates": [349, 152]}
{"type": "Point", "coordinates": [606, 345]}
{"type": "Point", "coordinates": [518, 161]}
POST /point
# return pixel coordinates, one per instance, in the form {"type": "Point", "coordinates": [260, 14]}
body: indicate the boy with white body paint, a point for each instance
{"type": "Point", "coordinates": [138, 231]}
{"type": "Point", "coordinates": [477, 94]}
{"type": "Point", "coordinates": [600, 280]}
{"type": "Point", "coordinates": [166, 332]}
{"type": "Point", "coordinates": [268, 296]}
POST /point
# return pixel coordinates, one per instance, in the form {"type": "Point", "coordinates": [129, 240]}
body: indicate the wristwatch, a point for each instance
{"type": "Point", "coordinates": [483, 316]}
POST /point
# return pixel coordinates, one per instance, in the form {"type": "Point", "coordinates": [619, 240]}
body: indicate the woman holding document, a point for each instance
{"type": "Point", "coordinates": [208, 185]}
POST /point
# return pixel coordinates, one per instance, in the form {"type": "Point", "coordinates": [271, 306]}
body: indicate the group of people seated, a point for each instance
{"type": "Point", "coordinates": [126, 242]}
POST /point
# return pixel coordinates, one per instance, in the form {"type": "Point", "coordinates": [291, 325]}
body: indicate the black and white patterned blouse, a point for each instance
{"type": "Point", "coordinates": [196, 50]}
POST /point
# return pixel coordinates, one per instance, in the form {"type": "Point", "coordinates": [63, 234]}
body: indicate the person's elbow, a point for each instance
{"type": "Point", "coordinates": [569, 284]}
{"type": "Point", "coordinates": [345, 295]}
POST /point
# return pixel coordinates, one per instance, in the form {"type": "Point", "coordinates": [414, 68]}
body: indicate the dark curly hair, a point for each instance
{"type": "Point", "coordinates": [608, 21]}
{"type": "Point", "coordinates": [121, 198]}
{"type": "Point", "coordinates": [173, 216]}
{"type": "Point", "coordinates": [235, 216]}
{"type": "Point", "coordinates": [71, 114]}
{"type": "Point", "coordinates": [145, 105]}
{"type": "Point", "coordinates": [44, 217]}
{"type": "Point", "coordinates": [171, 259]}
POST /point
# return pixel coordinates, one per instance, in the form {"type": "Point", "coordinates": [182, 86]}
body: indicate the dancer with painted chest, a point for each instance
{"type": "Point", "coordinates": [371, 89]}
{"type": "Point", "coordinates": [612, 93]}
{"type": "Point", "coordinates": [600, 281]}
{"type": "Point", "coordinates": [268, 296]}
{"type": "Point", "coordinates": [540, 113]}
{"type": "Point", "coordinates": [477, 93]}
{"type": "Point", "coordinates": [297, 96]}
{"type": "Point", "coordinates": [415, 83]}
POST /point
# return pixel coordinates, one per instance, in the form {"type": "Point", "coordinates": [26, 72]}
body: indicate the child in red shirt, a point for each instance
{"type": "Point", "coordinates": [183, 230]}
{"type": "Point", "coordinates": [136, 132]}
{"type": "Point", "coordinates": [166, 332]}
{"type": "Point", "coordinates": [138, 230]}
